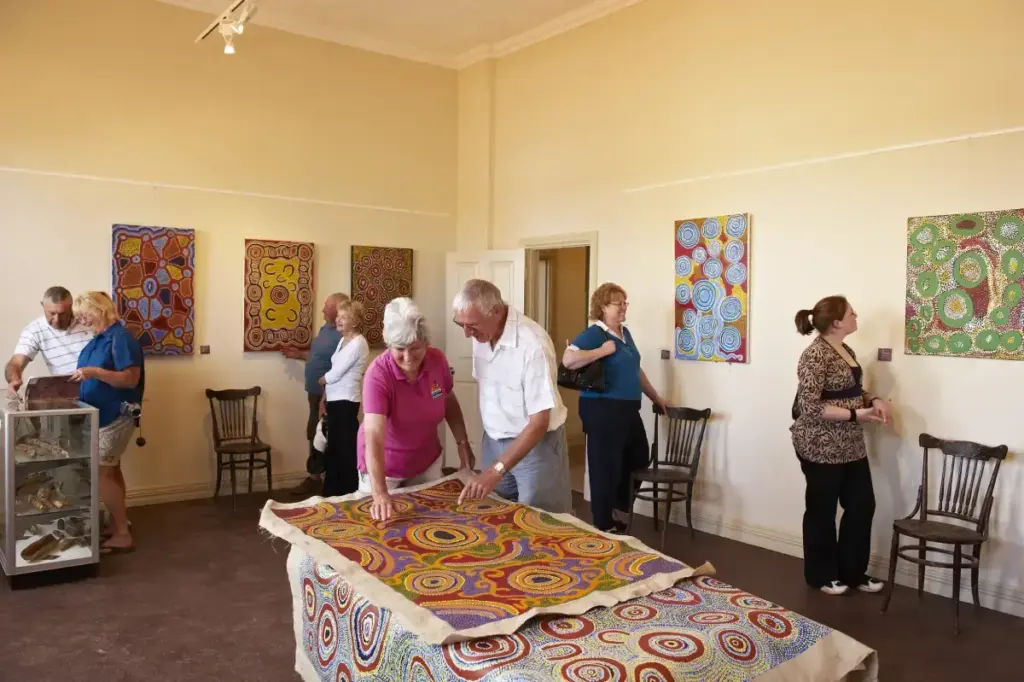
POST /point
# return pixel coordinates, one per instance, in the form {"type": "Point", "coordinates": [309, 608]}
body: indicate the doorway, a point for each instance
{"type": "Point", "coordinates": [558, 298]}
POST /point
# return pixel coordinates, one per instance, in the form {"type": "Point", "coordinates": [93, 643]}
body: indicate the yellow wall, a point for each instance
{"type": "Point", "coordinates": [290, 138]}
{"type": "Point", "coordinates": [746, 106]}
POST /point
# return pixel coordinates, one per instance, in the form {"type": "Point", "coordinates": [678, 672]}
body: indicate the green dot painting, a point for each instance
{"type": "Point", "coordinates": [955, 308]}
{"type": "Point", "coordinates": [970, 269]}
{"type": "Point", "coordinates": [927, 284]}
{"type": "Point", "coordinates": [1012, 295]}
{"type": "Point", "coordinates": [959, 343]}
{"type": "Point", "coordinates": [965, 285]}
{"type": "Point", "coordinates": [1012, 265]}
{"type": "Point", "coordinates": [1008, 230]}
{"type": "Point", "coordinates": [988, 340]}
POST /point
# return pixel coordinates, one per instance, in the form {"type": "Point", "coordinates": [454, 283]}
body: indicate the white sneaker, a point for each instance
{"type": "Point", "coordinates": [835, 588]}
{"type": "Point", "coordinates": [871, 586]}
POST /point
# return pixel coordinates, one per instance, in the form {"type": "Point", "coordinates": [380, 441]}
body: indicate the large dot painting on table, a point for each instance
{"type": "Point", "coordinates": [152, 286]}
{"type": "Point", "coordinates": [712, 290]}
{"type": "Point", "coordinates": [278, 295]}
{"type": "Point", "coordinates": [964, 294]}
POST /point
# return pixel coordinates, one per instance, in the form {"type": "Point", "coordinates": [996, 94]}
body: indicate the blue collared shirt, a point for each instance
{"type": "Point", "coordinates": [320, 352]}
{"type": "Point", "coordinates": [113, 349]}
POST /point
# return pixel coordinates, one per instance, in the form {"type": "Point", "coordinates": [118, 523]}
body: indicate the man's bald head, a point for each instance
{"type": "Point", "coordinates": [331, 306]}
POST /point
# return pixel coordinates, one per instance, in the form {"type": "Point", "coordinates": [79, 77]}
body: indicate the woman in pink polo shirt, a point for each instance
{"type": "Point", "coordinates": [407, 393]}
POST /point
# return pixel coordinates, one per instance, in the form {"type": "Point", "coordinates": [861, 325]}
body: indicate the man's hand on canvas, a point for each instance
{"type": "Point", "coordinates": [481, 485]}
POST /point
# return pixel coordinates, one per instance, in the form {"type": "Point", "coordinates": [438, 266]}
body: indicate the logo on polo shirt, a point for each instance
{"type": "Point", "coordinates": [435, 390]}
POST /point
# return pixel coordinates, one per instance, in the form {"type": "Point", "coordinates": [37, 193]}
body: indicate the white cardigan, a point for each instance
{"type": "Point", "coordinates": [344, 381]}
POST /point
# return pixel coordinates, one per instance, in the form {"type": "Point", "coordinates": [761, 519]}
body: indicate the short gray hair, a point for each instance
{"type": "Point", "coordinates": [404, 324]}
{"type": "Point", "coordinates": [56, 295]}
{"type": "Point", "coordinates": [479, 294]}
{"type": "Point", "coordinates": [338, 298]}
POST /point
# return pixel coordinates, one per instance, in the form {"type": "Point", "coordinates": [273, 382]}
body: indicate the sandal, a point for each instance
{"type": "Point", "coordinates": [106, 551]}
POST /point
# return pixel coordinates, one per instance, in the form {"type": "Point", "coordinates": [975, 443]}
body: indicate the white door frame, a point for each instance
{"type": "Point", "coordinates": [561, 241]}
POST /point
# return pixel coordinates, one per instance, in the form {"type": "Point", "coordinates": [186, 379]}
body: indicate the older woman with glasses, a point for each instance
{"type": "Point", "coordinates": [616, 439]}
{"type": "Point", "coordinates": [407, 393]}
{"type": "Point", "coordinates": [112, 375]}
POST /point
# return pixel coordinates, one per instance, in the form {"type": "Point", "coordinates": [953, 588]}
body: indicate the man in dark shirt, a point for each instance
{"type": "Point", "coordinates": [318, 362]}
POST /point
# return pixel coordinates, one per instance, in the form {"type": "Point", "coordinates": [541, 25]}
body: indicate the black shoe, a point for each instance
{"type": "Point", "coordinates": [308, 488]}
{"type": "Point", "coordinates": [617, 528]}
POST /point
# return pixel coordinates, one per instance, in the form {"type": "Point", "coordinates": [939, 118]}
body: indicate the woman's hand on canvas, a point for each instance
{"type": "Point", "coordinates": [383, 507]}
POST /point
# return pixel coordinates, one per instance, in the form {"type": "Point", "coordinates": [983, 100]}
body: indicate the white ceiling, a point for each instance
{"type": "Point", "coordinates": [451, 33]}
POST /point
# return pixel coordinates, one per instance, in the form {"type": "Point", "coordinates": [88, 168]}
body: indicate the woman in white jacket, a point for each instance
{"type": "Point", "coordinates": [343, 386]}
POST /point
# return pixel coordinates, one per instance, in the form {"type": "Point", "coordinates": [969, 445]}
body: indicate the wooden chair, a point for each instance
{"type": "Point", "coordinates": [236, 437]}
{"type": "Point", "coordinates": [678, 466]}
{"type": "Point", "coordinates": [965, 468]}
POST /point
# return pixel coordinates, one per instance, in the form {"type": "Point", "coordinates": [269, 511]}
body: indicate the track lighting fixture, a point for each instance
{"type": "Point", "coordinates": [231, 23]}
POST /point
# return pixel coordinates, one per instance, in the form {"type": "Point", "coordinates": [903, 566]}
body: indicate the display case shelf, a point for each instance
{"type": "Point", "coordinates": [49, 488]}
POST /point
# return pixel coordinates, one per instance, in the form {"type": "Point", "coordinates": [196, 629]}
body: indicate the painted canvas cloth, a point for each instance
{"type": "Point", "coordinates": [964, 278]}
{"type": "Point", "coordinates": [152, 288]}
{"type": "Point", "coordinates": [379, 275]}
{"type": "Point", "coordinates": [713, 288]}
{"type": "Point", "coordinates": [453, 572]}
{"type": "Point", "coordinates": [699, 630]}
{"type": "Point", "coordinates": [278, 295]}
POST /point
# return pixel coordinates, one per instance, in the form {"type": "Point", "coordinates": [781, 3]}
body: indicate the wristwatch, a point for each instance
{"type": "Point", "coordinates": [499, 467]}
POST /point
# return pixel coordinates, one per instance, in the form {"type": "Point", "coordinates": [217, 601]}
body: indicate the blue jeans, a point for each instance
{"type": "Point", "coordinates": [541, 479]}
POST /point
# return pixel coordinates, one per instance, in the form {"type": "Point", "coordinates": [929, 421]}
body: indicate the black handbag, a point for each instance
{"type": "Point", "coordinates": [587, 378]}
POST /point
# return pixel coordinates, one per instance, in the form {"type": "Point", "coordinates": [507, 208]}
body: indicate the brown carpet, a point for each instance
{"type": "Point", "coordinates": [205, 597]}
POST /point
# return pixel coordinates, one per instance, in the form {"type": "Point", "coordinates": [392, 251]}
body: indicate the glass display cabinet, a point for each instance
{"type": "Point", "coordinates": [49, 509]}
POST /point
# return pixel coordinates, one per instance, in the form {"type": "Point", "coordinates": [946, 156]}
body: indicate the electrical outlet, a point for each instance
{"type": "Point", "coordinates": [204, 350]}
{"type": "Point", "coordinates": [885, 354]}
{"type": "Point", "coordinates": [665, 355]}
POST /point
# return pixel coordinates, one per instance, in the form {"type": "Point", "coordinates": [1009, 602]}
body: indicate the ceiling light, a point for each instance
{"type": "Point", "coordinates": [231, 22]}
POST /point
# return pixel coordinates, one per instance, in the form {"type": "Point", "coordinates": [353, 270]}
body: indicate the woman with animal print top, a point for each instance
{"type": "Point", "coordinates": [830, 407]}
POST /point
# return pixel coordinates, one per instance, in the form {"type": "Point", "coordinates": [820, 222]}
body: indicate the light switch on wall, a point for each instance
{"type": "Point", "coordinates": [204, 350]}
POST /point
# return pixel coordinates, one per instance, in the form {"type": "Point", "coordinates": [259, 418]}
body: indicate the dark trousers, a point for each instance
{"type": "Point", "coordinates": [616, 446]}
{"type": "Point", "coordinates": [341, 475]}
{"type": "Point", "coordinates": [315, 459]}
{"type": "Point", "coordinates": [826, 558]}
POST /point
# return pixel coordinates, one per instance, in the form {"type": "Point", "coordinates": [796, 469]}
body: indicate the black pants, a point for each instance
{"type": "Point", "coordinates": [616, 446]}
{"type": "Point", "coordinates": [341, 476]}
{"type": "Point", "coordinates": [825, 558]}
{"type": "Point", "coordinates": [315, 459]}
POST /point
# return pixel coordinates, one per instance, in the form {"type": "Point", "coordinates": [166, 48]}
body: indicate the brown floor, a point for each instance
{"type": "Point", "coordinates": [205, 597]}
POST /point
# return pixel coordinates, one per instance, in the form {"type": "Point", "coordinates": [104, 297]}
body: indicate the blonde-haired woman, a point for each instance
{"type": "Point", "coordinates": [616, 439]}
{"type": "Point", "coordinates": [343, 388]}
{"type": "Point", "coordinates": [112, 374]}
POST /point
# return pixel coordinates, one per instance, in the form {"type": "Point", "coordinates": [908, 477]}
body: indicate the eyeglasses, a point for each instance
{"type": "Point", "coordinates": [621, 304]}
{"type": "Point", "coordinates": [466, 325]}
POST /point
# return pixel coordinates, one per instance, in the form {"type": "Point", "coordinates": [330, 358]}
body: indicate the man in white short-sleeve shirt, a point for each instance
{"type": "Point", "coordinates": [524, 455]}
{"type": "Point", "coordinates": [56, 335]}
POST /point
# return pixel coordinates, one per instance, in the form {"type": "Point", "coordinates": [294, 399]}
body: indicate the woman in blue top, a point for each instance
{"type": "Point", "coordinates": [111, 373]}
{"type": "Point", "coordinates": [616, 439]}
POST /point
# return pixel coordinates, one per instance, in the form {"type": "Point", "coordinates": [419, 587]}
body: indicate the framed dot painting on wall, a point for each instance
{"type": "Point", "coordinates": [278, 295]}
{"type": "Point", "coordinates": [153, 287]}
{"type": "Point", "coordinates": [713, 289]}
{"type": "Point", "coordinates": [964, 283]}
{"type": "Point", "coordinates": [379, 275]}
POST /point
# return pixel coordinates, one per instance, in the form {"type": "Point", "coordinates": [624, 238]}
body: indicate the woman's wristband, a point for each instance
{"type": "Point", "coordinates": [853, 415]}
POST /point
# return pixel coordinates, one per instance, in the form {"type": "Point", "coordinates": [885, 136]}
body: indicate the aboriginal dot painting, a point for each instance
{"type": "Point", "coordinates": [153, 269]}
{"type": "Point", "coordinates": [379, 275]}
{"type": "Point", "coordinates": [964, 285]}
{"type": "Point", "coordinates": [699, 630]}
{"type": "Point", "coordinates": [278, 295]}
{"type": "Point", "coordinates": [454, 571]}
{"type": "Point", "coordinates": [713, 288]}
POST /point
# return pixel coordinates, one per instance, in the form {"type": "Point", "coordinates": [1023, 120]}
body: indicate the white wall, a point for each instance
{"type": "Point", "coordinates": [831, 124]}
{"type": "Point", "coordinates": [290, 138]}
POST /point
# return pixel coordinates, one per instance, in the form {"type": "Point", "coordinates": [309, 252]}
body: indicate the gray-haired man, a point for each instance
{"type": "Point", "coordinates": [524, 455]}
{"type": "Point", "coordinates": [55, 334]}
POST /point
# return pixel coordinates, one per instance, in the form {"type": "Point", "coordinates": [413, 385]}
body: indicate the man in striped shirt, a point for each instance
{"type": "Point", "coordinates": [56, 335]}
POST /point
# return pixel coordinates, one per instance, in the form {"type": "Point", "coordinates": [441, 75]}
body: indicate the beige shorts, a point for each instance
{"type": "Point", "coordinates": [432, 473]}
{"type": "Point", "coordinates": [114, 440]}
